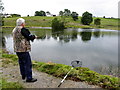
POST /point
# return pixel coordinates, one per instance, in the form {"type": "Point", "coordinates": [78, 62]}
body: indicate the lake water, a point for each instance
{"type": "Point", "coordinates": [96, 48]}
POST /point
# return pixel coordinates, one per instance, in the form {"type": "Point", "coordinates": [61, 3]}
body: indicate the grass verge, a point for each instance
{"type": "Point", "coordinates": [78, 74]}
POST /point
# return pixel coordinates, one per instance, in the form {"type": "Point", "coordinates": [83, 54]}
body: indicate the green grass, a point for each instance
{"type": "Point", "coordinates": [46, 22]}
{"type": "Point", "coordinates": [77, 74]}
{"type": "Point", "coordinates": [30, 21]}
{"type": "Point", "coordinates": [9, 59]}
{"type": "Point", "coordinates": [4, 84]}
{"type": "Point", "coordinates": [10, 85]}
{"type": "Point", "coordinates": [110, 23]}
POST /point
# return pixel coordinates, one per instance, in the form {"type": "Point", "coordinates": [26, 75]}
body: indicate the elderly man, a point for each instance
{"type": "Point", "coordinates": [22, 38]}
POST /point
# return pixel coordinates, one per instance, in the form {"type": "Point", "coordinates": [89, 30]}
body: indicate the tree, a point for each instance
{"type": "Point", "coordinates": [40, 13]}
{"type": "Point", "coordinates": [61, 13]}
{"type": "Point", "coordinates": [15, 15]}
{"type": "Point", "coordinates": [67, 12]}
{"type": "Point", "coordinates": [74, 16]}
{"type": "Point", "coordinates": [97, 21]}
{"type": "Point", "coordinates": [57, 24]}
{"type": "Point", "coordinates": [1, 10]}
{"type": "Point", "coordinates": [1, 6]}
{"type": "Point", "coordinates": [37, 13]}
{"type": "Point", "coordinates": [86, 18]}
{"type": "Point", "coordinates": [103, 16]}
{"type": "Point", "coordinates": [48, 13]}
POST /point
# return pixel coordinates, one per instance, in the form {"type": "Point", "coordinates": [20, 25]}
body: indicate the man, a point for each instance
{"type": "Point", "coordinates": [22, 47]}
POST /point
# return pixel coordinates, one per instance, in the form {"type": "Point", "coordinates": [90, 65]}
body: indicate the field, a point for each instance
{"type": "Point", "coordinates": [41, 21]}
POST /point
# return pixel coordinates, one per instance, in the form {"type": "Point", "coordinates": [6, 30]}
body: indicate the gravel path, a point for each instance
{"type": "Point", "coordinates": [11, 73]}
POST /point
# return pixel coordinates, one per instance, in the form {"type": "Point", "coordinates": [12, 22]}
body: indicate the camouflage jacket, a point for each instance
{"type": "Point", "coordinates": [22, 41]}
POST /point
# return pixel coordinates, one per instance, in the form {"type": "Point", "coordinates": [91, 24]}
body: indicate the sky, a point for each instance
{"type": "Point", "coordinates": [98, 8]}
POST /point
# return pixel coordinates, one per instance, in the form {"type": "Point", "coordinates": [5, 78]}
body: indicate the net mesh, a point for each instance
{"type": "Point", "coordinates": [76, 63]}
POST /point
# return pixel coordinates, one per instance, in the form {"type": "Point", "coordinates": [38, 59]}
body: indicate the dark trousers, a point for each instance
{"type": "Point", "coordinates": [25, 64]}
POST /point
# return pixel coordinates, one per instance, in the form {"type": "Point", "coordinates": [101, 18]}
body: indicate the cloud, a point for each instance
{"type": "Point", "coordinates": [97, 7]}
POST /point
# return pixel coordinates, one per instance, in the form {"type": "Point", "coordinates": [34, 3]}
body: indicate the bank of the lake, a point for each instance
{"type": "Point", "coordinates": [60, 70]}
{"type": "Point", "coordinates": [40, 21]}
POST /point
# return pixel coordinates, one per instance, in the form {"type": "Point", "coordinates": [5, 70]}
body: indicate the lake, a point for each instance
{"type": "Point", "coordinates": [96, 48]}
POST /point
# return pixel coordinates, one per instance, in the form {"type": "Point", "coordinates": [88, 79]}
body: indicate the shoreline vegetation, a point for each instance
{"type": "Point", "coordinates": [60, 70]}
{"type": "Point", "coordinates": [42, 21]}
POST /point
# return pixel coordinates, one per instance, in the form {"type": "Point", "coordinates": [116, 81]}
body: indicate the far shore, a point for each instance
{"type": "Point", "coordinates": [36, 27]}
{"type": "Point", "coordinates": [41, 21]}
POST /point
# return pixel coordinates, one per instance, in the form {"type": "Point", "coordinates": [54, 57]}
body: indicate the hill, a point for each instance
{"type": "Point", "coordinates": [41, 21]}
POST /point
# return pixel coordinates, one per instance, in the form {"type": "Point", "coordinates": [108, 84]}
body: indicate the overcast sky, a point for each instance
{"type": "Point", "coordinates": [98, 8]}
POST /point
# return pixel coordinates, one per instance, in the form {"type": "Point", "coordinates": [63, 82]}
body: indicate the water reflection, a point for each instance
{"type": "Point", "coordinates": [96, 33]}
{"type": "Point", "coordinates": [86, 35]}
{"type": "Point", "coordinates": [64, 36]}
{"type": "Point", "coordinates": [3, 41]}
{"type": "Point", "coordinates": [74, 35]}
{"type": "Point", "coordinates": [67, 36]}
{"type": "Point", "coordinates": [58, 34]}
{"type": "Point", "coordinates": [109, 69]}
{"type": "Point", "coordinates": [41, 35]}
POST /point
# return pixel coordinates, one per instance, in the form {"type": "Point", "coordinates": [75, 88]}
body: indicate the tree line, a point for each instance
{"type": "Point", "coordinates": [66, 13]}
{"type": "Point", "coordinates": [86, 19]}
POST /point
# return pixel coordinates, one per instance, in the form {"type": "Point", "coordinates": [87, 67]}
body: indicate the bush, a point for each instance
{"type": "Point", "coordinates": [97, 21]}
{"type": "Point", "coordinates": [57, 24]}
{"type": "Point", "coordinates": [40, 13]}
{"type": "Point", "coordinates": [74, 16]}
{"type": "Point", "coordinates": [15, 15]}
{"type": "Point", "coordinates": [86, 18]}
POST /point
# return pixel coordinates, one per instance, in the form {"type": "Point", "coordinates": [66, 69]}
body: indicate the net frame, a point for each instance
{"type": "Point", "coordinates": [76, 63]}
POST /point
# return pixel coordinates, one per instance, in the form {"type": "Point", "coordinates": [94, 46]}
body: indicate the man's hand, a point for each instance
{"type": "Point", "coordinates": [36, 37]}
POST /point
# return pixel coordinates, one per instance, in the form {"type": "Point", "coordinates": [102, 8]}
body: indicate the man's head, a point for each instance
{"type": "Point", "coordinates": [20, 22]}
